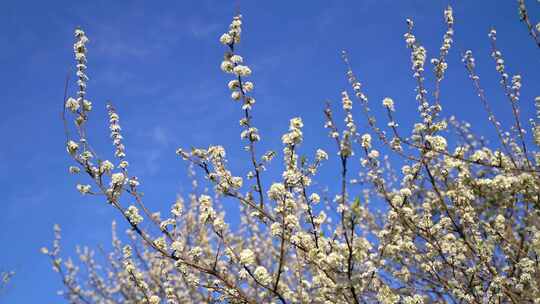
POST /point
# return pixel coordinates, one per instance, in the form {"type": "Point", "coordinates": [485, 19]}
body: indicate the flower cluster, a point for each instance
{"type": "Point", "coordinates": [116, 136]}
{"type": "Point", "coordinates": [80, 105]}
{"type": "Point", "coordinates": [233, 64]}
{"type": "Point", "coordinates": [206, 210]}
{"type": "Point", "coordinates": [349, 133]}
{"type": "Point", "coordinates": [214, 161]}
{"type": "Point", "coordinates": [534, 31]}
{"type": "Point", "coordinates": [132, 213]}
{"type": "Point", "coordinates": [440, 64]}
{"type": "Point", "coordinates": [388, 103]}
{"type": "Point", "coordinates": [536, 126]}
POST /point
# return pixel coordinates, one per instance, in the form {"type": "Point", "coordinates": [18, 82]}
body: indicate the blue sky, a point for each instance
{"type": "Point", "coordinates": [158, 62]}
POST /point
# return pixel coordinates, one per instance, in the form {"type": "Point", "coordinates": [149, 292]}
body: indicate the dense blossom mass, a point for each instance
{"type": "Point", "coordinates": [447, 219]}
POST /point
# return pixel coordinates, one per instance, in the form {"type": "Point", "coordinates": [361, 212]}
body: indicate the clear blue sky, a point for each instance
{"type": "Point", "coordinates": [158, 61]}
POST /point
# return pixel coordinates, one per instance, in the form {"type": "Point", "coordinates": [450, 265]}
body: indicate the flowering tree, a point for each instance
{"type": "Point", "coordinates": [458, 223]}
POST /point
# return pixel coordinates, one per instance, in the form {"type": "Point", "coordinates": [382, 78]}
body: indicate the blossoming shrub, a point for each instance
{"type": "Point", "coordinates": [459, 224]}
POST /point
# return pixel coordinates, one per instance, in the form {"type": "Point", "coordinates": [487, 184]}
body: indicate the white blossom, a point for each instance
{"type": "Point", "coordinates": [388, 103]}
{"type": "Point", "coordinates": [132, 213]}
{"type": "Point", "coordinates": [84, 189]}
{"type": "Point", "coordinates": [247, 257]}
{"type": "Point", "coordinates": [261, 274]}
{"type": "Point", "coordinates": [366, 141]}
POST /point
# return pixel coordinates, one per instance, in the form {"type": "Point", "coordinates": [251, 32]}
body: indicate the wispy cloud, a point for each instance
{"type": "Point", "coordinates": [157, 141]}
{"type": "Point", "coordinates": [117, 38]}
{"type": "Point", "coordinates": [202, 29]}
{"type": "Point", "coordinates": [160, 136]}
